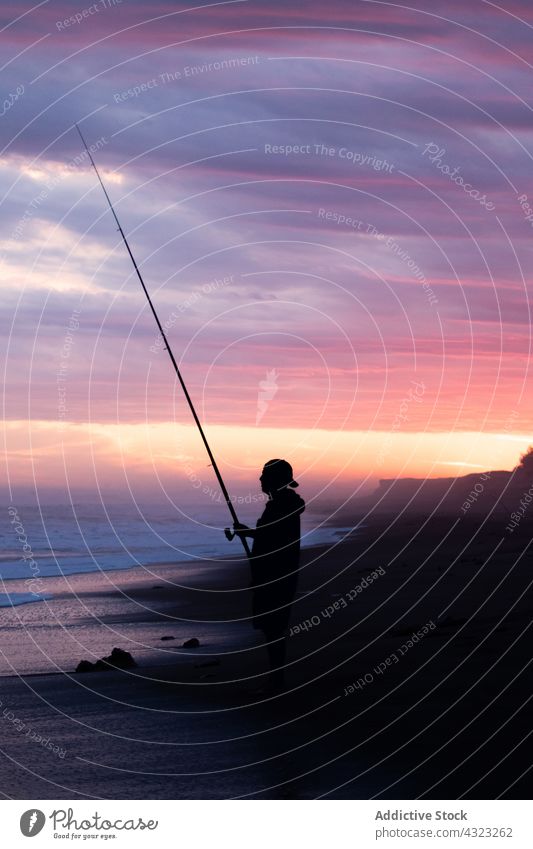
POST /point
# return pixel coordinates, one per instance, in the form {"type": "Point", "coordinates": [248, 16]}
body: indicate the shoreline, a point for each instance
{"type": "Point", "coordinates": [24, 583]}
{"type": "Point", "coordinates": [176, 597]}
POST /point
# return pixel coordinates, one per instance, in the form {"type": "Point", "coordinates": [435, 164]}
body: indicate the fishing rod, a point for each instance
{"type": "Point", "coordinates": [172, 359]}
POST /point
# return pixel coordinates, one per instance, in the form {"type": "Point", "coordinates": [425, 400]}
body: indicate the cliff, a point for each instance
{"type": "Point", "coordinates": [479, 493]}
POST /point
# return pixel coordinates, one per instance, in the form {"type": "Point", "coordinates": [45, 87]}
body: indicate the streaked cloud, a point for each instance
{"type": "Point", "coordinates": [283, 149]}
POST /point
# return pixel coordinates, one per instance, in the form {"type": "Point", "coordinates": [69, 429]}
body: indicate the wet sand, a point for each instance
{"type": "Point", "coordinates": [370, 710]}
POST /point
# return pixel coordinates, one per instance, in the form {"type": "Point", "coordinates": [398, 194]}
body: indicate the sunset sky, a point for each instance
{"type": "Point", "coordinates": [332, 206]}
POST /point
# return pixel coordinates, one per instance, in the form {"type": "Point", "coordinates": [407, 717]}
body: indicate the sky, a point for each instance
{"type": "Point", "coordinates": [332, 207]}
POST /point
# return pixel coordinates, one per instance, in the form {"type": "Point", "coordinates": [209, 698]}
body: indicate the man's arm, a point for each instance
{"type": "Point", "coordinates": [243, 530]}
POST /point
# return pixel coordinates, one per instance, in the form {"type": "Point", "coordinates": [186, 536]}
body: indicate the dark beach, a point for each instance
{"type": "Point", "coordinates": [408, 676]}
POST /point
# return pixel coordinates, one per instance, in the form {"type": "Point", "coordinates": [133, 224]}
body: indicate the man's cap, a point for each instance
{"type": "Point", "coordinates": [282, 471]}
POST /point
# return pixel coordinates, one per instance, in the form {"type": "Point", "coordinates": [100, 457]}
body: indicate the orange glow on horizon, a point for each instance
{"type": "Point", "coordinates": [83, 453]}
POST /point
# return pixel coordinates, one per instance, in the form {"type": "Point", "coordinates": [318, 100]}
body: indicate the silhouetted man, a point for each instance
{"type": "Point", "coordinates": [275, 561]}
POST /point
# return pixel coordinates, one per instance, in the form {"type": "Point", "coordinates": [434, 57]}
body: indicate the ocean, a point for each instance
{"type": "Point", "coordinates": [52, 540]}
